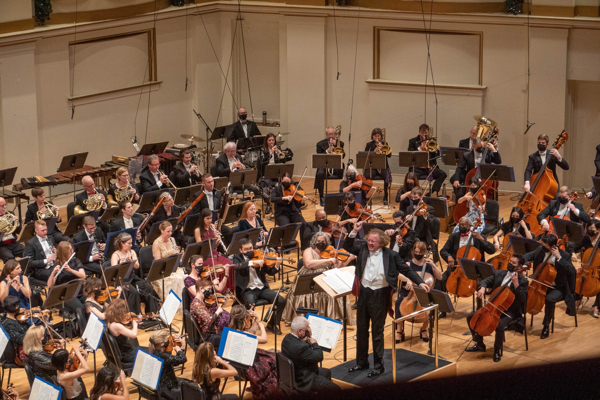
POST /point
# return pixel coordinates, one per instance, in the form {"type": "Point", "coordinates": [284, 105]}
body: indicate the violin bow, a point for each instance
{"type": "Point", "coordinates": [298, 184]}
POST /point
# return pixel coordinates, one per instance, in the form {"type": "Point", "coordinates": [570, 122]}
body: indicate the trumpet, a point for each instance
{"type": "Point", "coordinates": [338, 149]}
{"type": "Point", "coordinates": [168, 180]}
{"type": "Point", "coordinates": [280, 154]}
{"type": "Point", "coordinates": [49, 212]}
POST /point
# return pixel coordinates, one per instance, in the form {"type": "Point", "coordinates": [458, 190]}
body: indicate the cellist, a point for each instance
{"type": "Point", "coordinates": [564, 283]}
{"type": "Point", "coordinates": [471, 160]}
{"type": "Point", "coordinates": [476, 204]}
{"type": "Point", "coordinates": [589, 241]}
{"type": "Point", "coordinates": [515, 225]}
{"type": "Point", "coordinates": [537, 160]}
{"type": "Point", "coordinates": [516, 312]}
{"type": "Point", "coordinates": [562, 206]}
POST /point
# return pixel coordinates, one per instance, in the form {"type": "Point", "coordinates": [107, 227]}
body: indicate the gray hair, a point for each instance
{"type": "Point", "coordinates": [229, 145]}
{"type": "Point", "coordinates": [350, 168]}
{"type": "Point", "coordinates": [465, 219]}
{"type": "Point", "coordinates": [152, 158]}
{"type": "Point", "coordinates": [316, 236]}
{"type": "Point", "coordinates": [164, 195]}
{"type": "Point", "coordinates": [298, 323]}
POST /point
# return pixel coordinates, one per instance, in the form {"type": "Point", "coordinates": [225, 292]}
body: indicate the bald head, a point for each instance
{"type": "Point", "coordinates": [320, 214]}
{"type": "Point", "coordinates": [473, 132]}
{"type": "Point", "coordinates": [88, 183]}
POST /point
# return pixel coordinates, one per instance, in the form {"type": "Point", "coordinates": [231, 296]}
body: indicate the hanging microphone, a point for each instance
{"type": "Point", "coordinates": [529, 125]}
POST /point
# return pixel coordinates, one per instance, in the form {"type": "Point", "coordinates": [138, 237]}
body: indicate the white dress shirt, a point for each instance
{"type": "Point", "coordinates": [209, 199]}
{"type": "Point", "coordinates": [128, 223]}
{"type": "Point", "coordinates": [507, 279]}
{"type": "Point", "coordinates": [254, 282]}
{"type": "Point", "coordinates": [245, 127]}
{"type": "Point", "coordinates": [47, 250]}
{"type": "Point", "coordinates": [231, 162]}
{"type": "Point", "coordinates": [156, 176]}
{"type": "Point", "coordinates": [374, 273]}
{"type": "Point", "coordinates": [95, 249]}
{"type": "Point", "coordinates": [463, 240]}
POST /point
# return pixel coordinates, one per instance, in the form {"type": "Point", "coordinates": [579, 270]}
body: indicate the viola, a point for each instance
{"type": "Point", "coordinates": [458, 283]}
{"type": "Point", "coordinates": [331, 252]}
{"type": "Point", "coordinates": [173, 341]}
{"type": "Point", "coordinates": [297, 194]}
{"type": "Point", "coordinates": [249, 319]}
{"type": "Point", "coordinates": [35, 312]}
{"type": "Point", "coordinates": [218, 298]}
{"type": "Point", "coordinates": [269, 258]}
{"type": "Point", "coordinates": [208, 272]}
{"type": "Point", "coordinates": [367, 186]}
{"type": "Point", "coordinates": [74, 362]}
{"type": "Point", "coordinates": [9, 393]}
{"type": "Point", "coordinates": [51, 345]}
{"type": "Point", "coordinates": [103, 297]}
{"type": "Point", "coordinates": [335, 229]}
{"type": "Point", "coordinates": [588, 277]}
{"type": "Point", "coordinates": [541, 280]}
{"type": "Point", "coordinates": [362, 214]}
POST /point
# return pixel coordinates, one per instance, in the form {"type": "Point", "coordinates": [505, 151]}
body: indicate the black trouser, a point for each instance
{"type": "Point", "coordinates": [553, 296]}
{"type": "Point", "coordinates": [92, 268]}
{"type": "Point", "coordinates": [286, 218]}
{"type": "Point", "coordinates": [320, 179]}
{"type": "Point", "coordinates": [141, 291]}
{"type": "Point", "coordinates": [459, 192]}
{"type": "Point", "coordinates": [502, 325]}
{"type": "Point", "coordinates": [323, 381]}
{"type": "Point", "coordinates": [11, 250]}
{"type": "Point", "coordinates": [42, 274]}
{"type": "Point", "coordinates": [58, 236]}
{"type": "Point", "coordinates": [437, 175]}
{"type": "Point", "coordinates": [372, 309]}
{"type": "Point", "coordinates": [250, 296]}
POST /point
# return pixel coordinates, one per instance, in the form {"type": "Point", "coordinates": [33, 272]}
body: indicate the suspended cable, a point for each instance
{"type": "Point", "coordinates": [529, 124]}
{"type": "Point", "coordinates": [337, 51]}
{"type": "Point", "coordinates": [245, 59]}
{"type": "Point", "coordinates": [429, 66]}
{"type": "Point", "coordinates": [149, 76]}
{"type": "Point", "coordinates": [73, 72]}
{"type": "Point", "coordinates": [186, 47]}
{"type": "Point", "coordinates": [353, 85]}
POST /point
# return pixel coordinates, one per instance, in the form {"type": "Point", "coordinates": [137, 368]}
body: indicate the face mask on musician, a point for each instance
{"type": "Point", "coordinates": [410, 186]}
{"type": "Point", "coordinates": [473, 190]}
{"type": "Point", "coordinates": [515, 220]}
{"type": "Point", "coordinates": [541, 147]}
{"type": "Point", "coordinates": [351, 177]}
{"type": "Point", "coordinates": [419, 257]}
{"type": "Point", "coordinates": [591, 232]}
{"type": "Point", "coordinates": [510, 267]}
{"type": "Point", "coordinates": [243, 116]}
{"type": "Point", "coordinates": [463, 229]}
{"type": "Point", "coordinates": [323, 223]}
{"type": "Point", "coordinates": [563, 200]}
{"type": "Point", "coordinates": [206, 293]}
{"type": "Point", "coordinates": [321, 246]}
{"type": "Point", "coordinates": [249, 254]}
{"type": "Point", "coordinates": [198, 268]}
{"type": "Point", "coordinates": [286, 185]}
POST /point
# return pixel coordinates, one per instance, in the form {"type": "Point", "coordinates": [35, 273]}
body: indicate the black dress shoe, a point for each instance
{"type": "Point", "coordinates": [545, 333]}
{"type": "Point", "coordinates": [376, 372]}
{"type": "Point", "coordinates": [497, 356]}
{"type": "Point", "coordinates": [477, 347]}
{"type": "Point", "coordinates": [322, 202]}
{"type": "Point", "coordinates": [441, 314]}
{"type": "Point", "coordinates": [385, 202]}
{"type": "Point", "coordinates": [358, 368]}
{"type": "Point", "coordinates": [273, 329]}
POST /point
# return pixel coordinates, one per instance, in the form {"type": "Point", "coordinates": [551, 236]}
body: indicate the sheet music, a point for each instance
{"type": "Point", "coordinates": [4, 339]}
{"type": "Point", "coordinates": [325, 330]}
{"type": "Point", "coordinates": [169, 308]}
{"type": "Point", "coordinates": [337, 280]}
{"type": "Point", "coordinates": [239, 347]}
{"type": "Point", "coordinates": [147, 369]}
{"type": "Point", "coordinates": [42, 390]}
{"type": "Point", "coordinates": [93, 331]}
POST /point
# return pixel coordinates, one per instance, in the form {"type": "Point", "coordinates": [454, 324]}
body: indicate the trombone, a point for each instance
{"type": "Point", "coordinates": [338, 149]}
{"type": "Point", "coordinates": [431, 144]}
{"type": "Point", "coordinates": [384, 148]}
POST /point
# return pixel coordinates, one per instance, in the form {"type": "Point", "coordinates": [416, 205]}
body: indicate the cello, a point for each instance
{"type": "Point", "coordinates": [458, 283]}
{"type": "Point", "coordinates": [543, 189]}
{"type": "Point", "coordinates": [489, 187]}
{"type": "Point", "coordinates": [541, 280]}
{"type": "Point", "coordinates": [461, 209]}
{"type": "Point", "coordinates": [588, 277]}
{"type": "Point", "coordinates": [500, 262]}
{"type": "Point", "coordinates": [410, 304]}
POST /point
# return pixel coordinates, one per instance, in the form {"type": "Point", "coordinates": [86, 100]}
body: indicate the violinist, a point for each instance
{"type": "Point", "coordinates": [249, 219]}
{"type": "Point", "coordinates": [422, 266]}
{"type": "Point", "coordinates": [471, 160]}
{"type": "Point", "coordinates": [251, 282]}
{"type": "Point", "coordinates": [96, 236]}
{"type": "Point", "coordinates": [402, 237]}
{"type": "Point", "coordinates": [589, 241]}
{"type": "Point", "coordinates": [326, 146]}
{"type": "Point", "coordinates": [197, 266]}
{"type": "Point", "coordinates": [110, 385]}
{"type": "Point", "coordinates": [38, 359]}
{"type": "Point", "coordinates": [374, 146]}
{"type": "Point", "coordinates": [514, 315]}
{"type": "Point", "coordinates": [67, 269]}
{"type": "Point", "coordinates": [16, 330]}
{"type": "Point", "coordinates": [351, 183]}
{"type": "Point", "coordinates": [92, 290]}
{"type": "Point", "coordinates": [423, 223]}
{"type": "Point", "coordinates": [159, 346]}
{"type": "Point", "coordinates": [211, 319]}
{"type": "Point", "coordinates": [377, 269]}
{"type": "Point", "coordinates": [476, 201]}
{"type": "Point", "coordinates": [403, 197]}
{"type": "Point", "coordinates": [536, 161]}
{"type": "Point", "coordinates": [287, 208]}
{"type": "Point", "coordinates": [71, 380]}
{"type": "Point", "coordinates": [39, 205]}
{"type": "Point", "coordinates": [209, 368]}
{"type": "Point", "coordinates": [420, 143]}
{"type": "Point", "coordinates": [314, 262]}
{"type": "Point", "coordinates": [15, 284]}
{"type": "Point", "coordinates": [514, 226]}
{"type": "Point", "coordinates": [117, 317]}
{"type": "Point", "coordinates": [563, 206]}
{"type": "Point", "coordinates": [348, 204]}
{"type": "Point", "coordinates": [564, 283]}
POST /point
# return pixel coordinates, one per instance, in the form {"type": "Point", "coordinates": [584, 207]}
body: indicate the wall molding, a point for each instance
{"type": "Point", "coordinates": [116, 93]}
{"type": "Point", "coordinates": [399, 86]}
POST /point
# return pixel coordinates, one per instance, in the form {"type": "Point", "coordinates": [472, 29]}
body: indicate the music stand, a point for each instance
{"type": "Point", "coordinates": [27, 232]}
{"type": "Point", "coordinates": [452, 155]}
{"type": "Point", "coordinates": [503, 173]}
{"type": "Point", "coordinates": [161, 269]}
{"type": "Point", "coordinates": [368, 226]}
{"type": "Point", "coordinates": [71, 163]}
{"type": "Point", "coordinates": [110, 241]}
{"type": "Point", "coordinates": [201, 248]}
{"type": "Point", "coordinates": [327, 161]}
{"type": "Point", "coordinates": [149, 200]}
{"type": "Point", "coordinates": [333, 203]}
{"type": "Point", "coordinates": [7, 176]}
{"type": "Point", "coordinates": [74, 225]}
{"type": "Point", "coordinates": [562, 227]}
{"type": "Point", "coordinates": [281, 235]}
{"type": "Point", "coordinates": [370, 160]}
{"type": "Point", "coordinates": [305, 284]}
{"type": "Point", "coordinates": [243, 178]}
{"type": "Point", "coordinates": [190, 224]}
{"type": "Point", "coordinates": [220, 132]}
{"type": "Point", "coordinates": [152, 148]}
{"type": "Point", "coordinates": [221, 182]}
{"type": "Point", "coordinates": [521, 245]}
{"type": "Point", "coordinates": [444, 304]}
{"type": "Point", "coordinates": [251, 234]}
{"type": "Point", "coordinates": [155, 229]}
{"type": "Point", "coordinates": [60, 294]}
{"type": "Point", "coordinates": [187, 194]}
{"type": "Point", "coordinates": [115, 274]}
{"type": "Point", "coordinates": [413, 159]}
{"type": "Point", "coordinates": [83, 251]}
{"type": "Point", "coordinates": [110, 214]}
{"type": "Point", "coordinates": [440, 206]}
{"type": "Point", "coordinates": [234, 212]}
{"type": "Point", "coordinates": [274, 172]}
{"type": "Point", "coordinates": [477, 271]}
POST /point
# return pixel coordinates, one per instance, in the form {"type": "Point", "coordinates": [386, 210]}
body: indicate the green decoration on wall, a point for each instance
{"type": "Point", "coordinates": [43, 8]}
{"type": "Point", "coordinates": [513, 6]}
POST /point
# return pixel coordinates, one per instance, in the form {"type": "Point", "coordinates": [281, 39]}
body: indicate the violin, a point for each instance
{"type": "Point", "coordinates": [335, 229]}
{"type": "Point", "coordinates": [458, 283]}
{"type": "Point", "coordinates": [208, 272]}
{"type": "Point", "coordinates": [35, 312]}
{"type": "Point", "coordinates": [297, 194]}
{"type": "Point", "coordinates": [74, 362]}
{"type": "Point", "coordinates": [51, 345]}
{"type": "Point", "coordinates": [103, 297]}
{"type": "Point", "coordinates": [218, 298]}
{"type": "Point", "coordinates": [588, 277]}
{"type": "Point", "coordinates": [173, 341]}
{"type": "Point", "coordinates": [131, 317]}
{"type": "Point", "coordinates": [331, 252]}
{"type": "Point", "coordinates": [249, 319]}
{"type": "Point", "coordinates": [362, 214]}
{"type": "Point", "coordinates": [541, 280]}
{"type": "Point", "coordinates": [367, 186]}
{"type": "Point", "coordinates": [269, 258]}
{"type": "Point", "coordinates": [6, 393]}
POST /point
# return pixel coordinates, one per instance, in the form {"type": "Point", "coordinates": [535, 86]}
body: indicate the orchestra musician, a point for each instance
{"type": "Point", "coordinates": [211, 319]}
{"type": "Point", "coordinates": [514, 226]}
{"type": "Point", "coordinates": [421, 265]}
{"type": "Point", "coordinates": [117, 317]}
{"type": "Point", "coordinates": [560, 207]}
{"type": "Point", "coordinates": [403, 245]}
{"type": "Point", "coordinates": [403, 197]}
{"type": "Point", "coordinates": [468, 142]}
{"type": "Point", "coordinates": [287, 208]}
{"type": "Point", "coordinates": [514, 315]}
{"type": "Point", "coordinates": [15, 284]}
{"type": "Point", "coordinates": [229, 161]}
{"type": "Point", "coordinates": [251, 282]}
{"type": "Point", "coordinates": [168, 383]}
{"type": "Point", "coordinates": [16, 330]}
{"type": "Point", "coordinates": [212, 199]}
{"type": "Point", "coordinates": [419, 143]}
{"type": "Point", "coordinates": [38, 359]}
{"type": "Point", "coordinates": [92, 289]}
{"type": "Point", "coordinates": [536, 161]}
{"type": "Point", "coordinates": [308, 229]}
{"type": "Point", "coordinates": [89, 187]}
{"type": "Point", "coordinates": [204, 231]}
{"type": "Point", "coordinates": [348, 203]}
{"type": "Point", "coordinates": [110, 385]}
{"type": "Point", "coordinates": [351, 183]}
{"type": "Point", "coordinates": [165, 246]}
{"type": "Point", "coordinates": [209, 368]}
{"type": "Point", "coordinates": [425, 225]}
{"type": "Point", "coordinates": [597, 160]}
{"type": "Point", "coordinates": [476, 210]}
{"type": "Point", "coordinates": [243, 128]}
{"type": "Point", "coordinates": [122, 182]}
{"type": "Point", "coordinates": [167, 209]}
{"type": "Point", "coordinates": [96, 236]}
{"type": "Point", "coordinates": [385, 174]}
{"type": "Point", "coordinates": [128, 220]}
{"type": "Point", "coordinates": [41, 252]}
{"type": "Point", "coordinates": [250, 220]}
{"type": "Point", "coordinates": [271, 153]}
{"type": "Point", "coordinates": [196, 268]}
{"type": "Point", "coordinates": [185, 173]}
{"type": "Point", "coordinates": [377, 269]}
{"type": "Point", "coordinates": [303, 350]}
{"type": "Point", "coordinates": [71, 380]}
{"type": "Point", "coordinates": [39, 205]}
{"type": "Point", "coordinates": [470, 160]}
{"type": "Point", "coordinates": [153, 178]}
{"type": "Point", "coordinates": [589, 240]}
{"type": "Point", "coordinates": [9, 247]}
{"type": "Point", "coordinates": [564, 283]}
{"type": "Point", "coordinates": [67, 269]}
{"type": "Point", "coordinates": [326, 146]}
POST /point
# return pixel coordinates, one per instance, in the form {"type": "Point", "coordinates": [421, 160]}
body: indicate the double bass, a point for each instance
{"type": "Point", "coordinates": [500, 262]}
{"type": "Point", "coordinates": [458, 284]}
{"type": "Point", "coordinates": [588, 277]}
{"type": "Point", "coordinates": [542, 279]}
{"type": "Point", "coordinates": [542, 190]}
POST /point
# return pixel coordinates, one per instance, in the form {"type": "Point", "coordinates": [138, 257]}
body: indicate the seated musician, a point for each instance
{"type": "Point", "coordinates": [326, 146]}
{"type": "Point", "coordinates": [89, 187]}
{"type": "Point", "coordinates": [536, 161]}
{"type": "Point", "coordinates": [243, 128]}
{"type": "Point", "coordinates": [351, 183]}
{"type": "Point", "coordinates": [514, 226]}
{"type": "Point", "coordinates": [475, 209]}
{"type": "Point", "coordinates": [385, 174]}
{"type": "Point", "coordinates": [128, 220]}
{"type": "Point", "coordinates": [564, 283]}
{"type": "Point", "coordinates": [229, 161]}
{"type": "Point", "coordinates": [271, 153]}
{"type": "Point", "coordinates": [212, 200]}
{"type": "Point", "coordinates": [167, 211]}
{"type": "Point", "coordinates": [471, 160]}
{"type": "Point", "coordinates": [514, 315]}
{"type": "Point", "coordinates": [40, 205]}
{"type": "Point", "coordinates": [403, 197]}
{"type": "Point", "coordinates": [250, 220]}
{"type": "Point", "coordinates": [165, 246]}
{"type": "Point", "coordinates": [169, 384]}
{"type": "Point", "coordinates": [287, 208]}
{"type": "Point", "coordinates": [196, 268]}
{"type": "Point", "coordinates": [591, 237]}
{"type": "Point", "coordinates": [209, 368]}
{"type": "Point", "coordinates": [206, 230]}
{"type": "Point", "coordinates": [468, 142]}
{"type": "Point", "coordinates": [96, 236]}
{"type": "Point", "coordinates": [110, 385]}
{"type": "Point", "coordinates": [41, 252]}
{"type": "Point", "coordinates": [185, 173]}
{"type": "Point", "coordinates": [71, 380]}
{"type": "Point", "coordinates": [251, 282]}
{"type": "Point", "coordinates": [153, 178]}
{"type": "Point", "coordinates": [419, 143]}
{"type": "Point", "coordinates": [207, 312]}
{"type": "Point", "coordinates": [402, 244]}
{"type": "Point", "coordinates": [38, 359]}
{"type": "Point", "coordinates": [562, 206]}
{"type": "Point", "coordinates": [16, 330]}
{"type": "Point", "coordinates": [308, 229]}
{"type": "Point", "coordinates": [15, 284]}
{"type": "Point", "coordinates": [122, 186]}
{"type": "Point", "coordinates": [423, 222]}
{"type": "Point", "coordinates": [9, 247]}
{"type": "Point", "coordinates": [315, 261]}
{"type": "Point", "coordinates": [117, 321]}
{"type": "Point", "coordinates": [348, 205]}
{"type": "Point", "coordinates": [422, 266]}
{"type": "Point", "coordinates": [136, 289]}
{"type": "Point", "coordinates": [302, 349]}
{"type": "Point", "coordinates": [67, 269]}
{"type": "Point", "coordinates": [92, 289]}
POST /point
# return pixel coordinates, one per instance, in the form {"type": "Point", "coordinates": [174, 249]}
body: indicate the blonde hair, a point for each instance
{"type": "Point", "coordinates": [121, 171]}
{"type": "Point", "coordinates": [157, 338]}
{"type": "Point", "coordinates": [62, 252]}
{"type": "Point", "coordinates": [164, 225]}
{"type": "Point", "coordinates": [384, 239]}
{"type": "Point", "coordinates": [33, 339]}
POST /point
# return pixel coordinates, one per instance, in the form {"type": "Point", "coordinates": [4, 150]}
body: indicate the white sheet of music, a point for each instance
{"type": "Point", "coordinates": [169, 308]}
{"type": "Point", "coordinates": [42, 390]}
{"type": "Point", "coordinates": [239, 347]}
{"type": "Point", "coordinates": [340, 281]}
{"type": "Point", "coordinates": [326, 331]}
{"type": "Point", "coordinates": [93, 331]}
{"type": "Point", "coordinates": [146, 369]}
{"type": "Point", "coordinates": [4, 339]}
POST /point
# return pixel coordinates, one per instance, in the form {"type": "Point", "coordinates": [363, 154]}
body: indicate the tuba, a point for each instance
{"type": "Point", "coordinates": [92, 203]}
{"type": "Point", "coordinates": [48, 213]}
{"type": "Point", "coordinates": [385, 148]}
{"type": "Point", "coordinates": [8, 224]}
{"type": "Point", "coordinates": [338, 149]}
{"type": "Point", "coordinates": [485, 127]}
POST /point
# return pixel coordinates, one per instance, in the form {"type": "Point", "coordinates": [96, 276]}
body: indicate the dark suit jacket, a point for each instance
{"type": "Point", "coordinates": [519, 304]}
{"type": "Point", "coordinates": [223, 165]}
{"type": "Point", "coordinates": [534, 164]}
{"type": "Point", "coordinates": [81, 236]}
{"type": "Point", "coordinates": [161, 214]}
{"type": "Point", "coordinates": [371, 146]}
{"type": "Point", "coordinates": [392, 263]}
{"type": "Point", "coordinates": [597, 160]}
{"type": "Point", "coordinates": [118, 224]}
{"type": "Point", "coordinates": [203, 203]}
{"type": "Point", "coordinates": [453, 244]}
{"type": "Point", "coordinates": [238, 131]}
{"type": "Point", "coordinates": [307, 231]}
{"type": "Point", "coordinates": [181, 178]}
{"type": "Point", "coordinates": [552, 209]}
{"type": "Point", "coordinates": [426, 229]}
{"type": "Point", "coordinates": [323, 145]}
{"type": "Point", "coordinates": [414, 144]}
{"type": "Point", "coordinates": [283, 205]}
{"type": "Point", "coordinates": [31, 215]}
{"type": "Point", "coordinates": [468, 163]}
{"type": "Point", "coordinates": [149, 184]}
{"type": "Point", "coordinates": [242, 274]}
{"type": "Point", "coordinates": [582, 245]}
{"type": "Point", "coordinates": [405, 250]}
{"type": "Point", "coordinates": [306, 358]}
{"type": "Point", "coordinates": [81, 196]}
{"type": "Point", "coordinates": [34, 250]}
{"type": "Point", "coordinates": [464, 143]}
